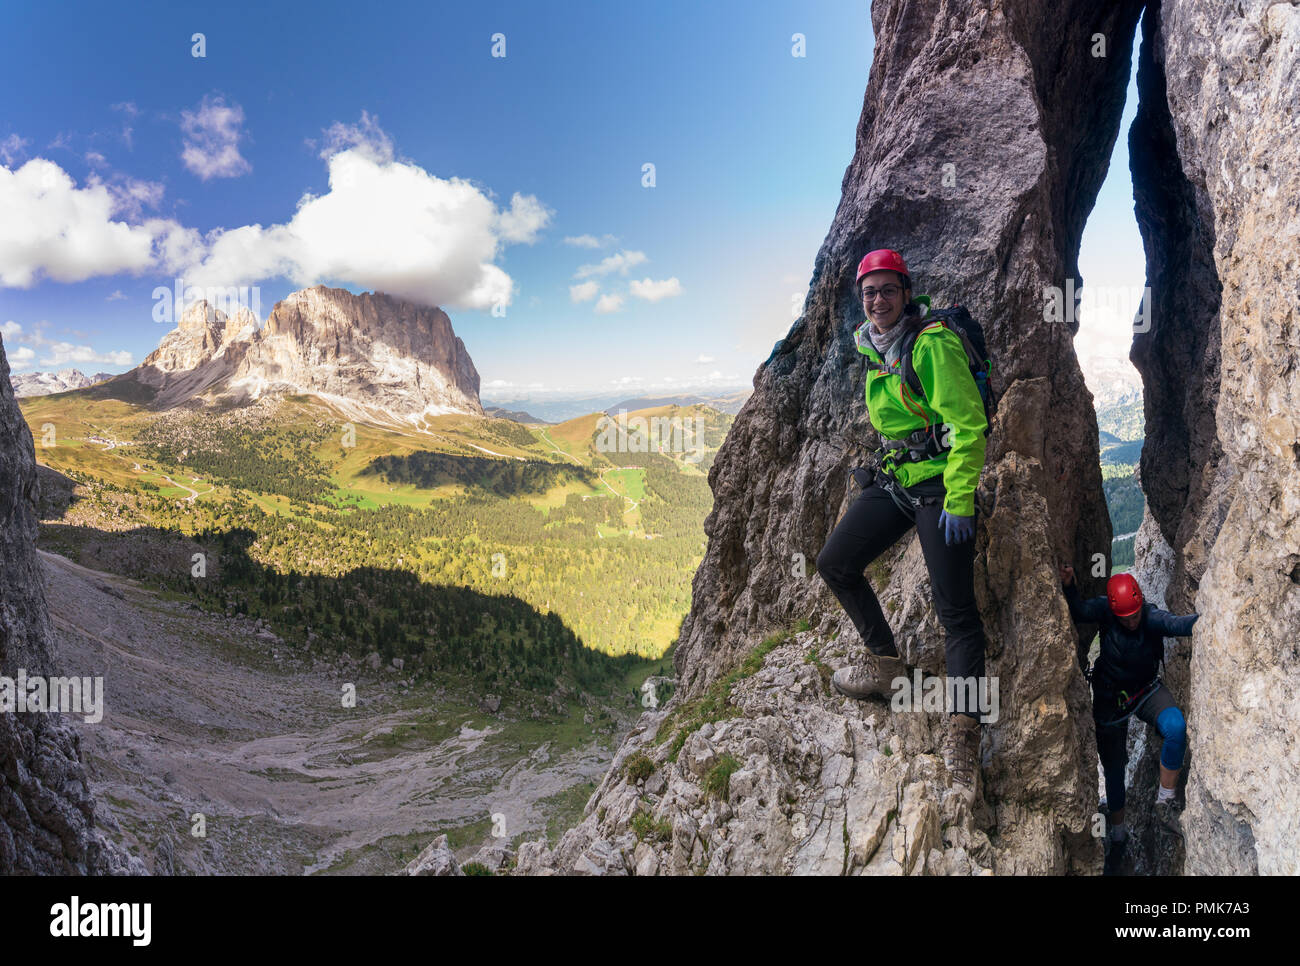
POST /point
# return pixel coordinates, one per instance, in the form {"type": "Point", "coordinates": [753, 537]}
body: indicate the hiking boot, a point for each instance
{"type": "Point", "coordinates": [1168, 817]}
{"type": "Point", "coordinates": [1113, 864]}
{"type": "Point", "coordinates": [872, 678]}
{"type": "Point", "coordinates": [961, 749]}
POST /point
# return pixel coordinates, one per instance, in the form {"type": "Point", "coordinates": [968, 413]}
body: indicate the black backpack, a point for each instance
{"type": "Point", "coordinates": [971, 333]}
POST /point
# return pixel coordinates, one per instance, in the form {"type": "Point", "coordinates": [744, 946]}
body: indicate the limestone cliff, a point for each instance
{"type": "Point", "coordinates": [371, 353]}
{"type": "Point", "coordinates": [373, 349]}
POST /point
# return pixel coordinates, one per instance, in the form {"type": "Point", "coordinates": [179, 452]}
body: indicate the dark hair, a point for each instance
{"type": "Point", "coordinates": [903, 280]}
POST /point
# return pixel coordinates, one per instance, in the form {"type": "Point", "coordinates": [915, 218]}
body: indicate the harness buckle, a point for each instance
{"type": "Point", "coordinates": [917, 447]}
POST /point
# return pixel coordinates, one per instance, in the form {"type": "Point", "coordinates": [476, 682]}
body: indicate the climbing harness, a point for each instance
{"type": "Point", "coordinates": [885, 477]}
{"type": "Point", "coordinates": [1128, 705]}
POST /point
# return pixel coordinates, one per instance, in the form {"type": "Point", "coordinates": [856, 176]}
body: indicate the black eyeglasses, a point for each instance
{"type": "Point", "coordinates": [889, 291]}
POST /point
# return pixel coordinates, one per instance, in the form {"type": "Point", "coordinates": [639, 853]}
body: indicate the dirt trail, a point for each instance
{"type": "Point", "coordinates": [193, 492]}
{"type": "Point", "coordinates": [634, 503]}
{"type": "Point", "coordinates": [213, 715]}
{"type": "Point", "coordinates": [557, 449]}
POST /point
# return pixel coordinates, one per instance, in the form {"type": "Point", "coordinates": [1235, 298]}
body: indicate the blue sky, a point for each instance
{"type": "Point", "coordinates": [383, 146]}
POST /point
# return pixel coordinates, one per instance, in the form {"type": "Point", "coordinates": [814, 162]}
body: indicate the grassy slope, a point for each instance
{"type": "Point", "coordinates": [78, 415]}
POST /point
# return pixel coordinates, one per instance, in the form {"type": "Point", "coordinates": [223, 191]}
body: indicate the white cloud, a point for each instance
{"type": "Point", "coordinates": [212, 138]}
{"type": "Point", "coordinates": [525, 218]}
{"type": "Point", "coordinates": [53, 228]}
{"type": "Point", "coordinates": [55, 353]}
{"type": "Point", "coordinates": [61, 353]}
{"type": "Point", "coordinates": [130, 110]}
{"type": "Point", "coordinates": [653, 291]}
{"type": "Point", "coordinates": [583, 291]}
{"type": "Point", "coordinates": [383, 224]}
{"type": "Point", "coordinates": [704, 360]}
{"type": "Point", "coordinates": [11, 148]}
{"type": "Point", "coordinates": [386, 225]}
{"type": "Point", "coordinates": [366, 138]}
{"type": "Point", "coordinates": [507, 384]}
{"type": "Point", "coordinates": [626, 381]}
{"type": "Point", "coordinates": [21, 357]}
{"type": "Point", "coordinates": [608, 303]}
{"type": "Point", "coordinates": [590, 241]}
{"type": "Point", "coordinates": [115, 297]}
{"type": "Point", "coordinates": [620, 263]}
{"type": "Point", "coordinates": [95, 159]}
{"type": "Point", "coordinates": [131, 197]}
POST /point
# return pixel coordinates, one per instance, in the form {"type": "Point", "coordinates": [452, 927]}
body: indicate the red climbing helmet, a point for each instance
{"type": "Point", "coordinates": [883, 259]}
{"type": "Point", "coordinates": [1125, 595]}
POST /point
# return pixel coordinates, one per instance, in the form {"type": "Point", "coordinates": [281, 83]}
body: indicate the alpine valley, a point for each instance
{"type": "Point", "coordinates": [317, 577]}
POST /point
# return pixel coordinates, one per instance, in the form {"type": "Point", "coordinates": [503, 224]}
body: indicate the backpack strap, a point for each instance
{"type": "Point", "coordinates": [905, 356]}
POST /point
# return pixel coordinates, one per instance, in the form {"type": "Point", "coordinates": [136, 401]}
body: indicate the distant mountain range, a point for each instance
{"type": "Point", "coordinates": [729, 403]}
{"type": "Point", "coordinates": [372, 356]}
{"type": "Point", "coordinates": [1120, 416]}
{"type": "Point", "coordinates": [514, 415]}
{"type": "Point", "coordinates": [46, 383]}
{"type": "Point", "coordinates": [558, 408]}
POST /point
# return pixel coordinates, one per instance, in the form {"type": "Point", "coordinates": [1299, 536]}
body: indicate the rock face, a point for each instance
{"type": "Point", "coordinates": [203, 333]}
{"type": "Point", "coordinates": [437, 859]}
{"type": "Point", "coordinates": [984, 136]}
{"type": "Point", "coordinates": [827, 785]}
{"type": "Point", "coordinates": [1220, 211]}
{"type": "Point", "coordinates": [370, 353]}
{"type": "Point", "coordinates": [199, 356]}
{"type": "Point", "coordinates": [47, 815]}
{"type": "Point", "coordinates": [43, 383]}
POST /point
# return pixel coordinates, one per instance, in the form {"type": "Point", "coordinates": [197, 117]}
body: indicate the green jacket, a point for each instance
{"type": "Point", "coordinates": [951, 399]}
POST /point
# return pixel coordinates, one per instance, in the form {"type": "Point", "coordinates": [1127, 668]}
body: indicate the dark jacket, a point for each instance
{"type": "Point", "coordinates": [1128, 659]}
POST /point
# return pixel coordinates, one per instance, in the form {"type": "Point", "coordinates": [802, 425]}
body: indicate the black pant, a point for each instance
{"type": "Point", "coordinates": [873, 524]}
{"type": "Point", "coordinates": [1112, 736]}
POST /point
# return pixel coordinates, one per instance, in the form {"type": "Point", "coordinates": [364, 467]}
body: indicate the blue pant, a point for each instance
{"type": "Point", "coordinates": [1159, 711]}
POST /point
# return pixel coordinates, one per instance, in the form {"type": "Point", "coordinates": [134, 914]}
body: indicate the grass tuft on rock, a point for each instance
{"type": "Point", "coordinates": [648, 830]}
{"type": "Point", "coordinates": [715, 703]}
{"type": "Point", "coordinates": [638, 768]}
{"type": "Point", "coordinates": [718, 781]}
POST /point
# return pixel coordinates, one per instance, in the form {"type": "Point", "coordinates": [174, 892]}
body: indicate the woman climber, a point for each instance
{"type": "Point", "coordinates": [925, 476]}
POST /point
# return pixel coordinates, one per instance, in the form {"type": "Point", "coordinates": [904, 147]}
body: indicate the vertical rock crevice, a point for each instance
{"type": "Point", "coordinates": [1219, 207]}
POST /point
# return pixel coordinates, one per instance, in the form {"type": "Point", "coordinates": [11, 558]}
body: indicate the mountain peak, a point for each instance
{"type": "Point", "coordinates": [391, 358]}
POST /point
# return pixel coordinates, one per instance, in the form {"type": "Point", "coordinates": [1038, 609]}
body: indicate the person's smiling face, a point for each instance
{"type": "Point", "coordinates": [883, 297]}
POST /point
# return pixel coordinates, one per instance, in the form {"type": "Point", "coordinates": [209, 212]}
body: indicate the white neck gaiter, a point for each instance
{"type": "Point", "coordinates": [886, 343]}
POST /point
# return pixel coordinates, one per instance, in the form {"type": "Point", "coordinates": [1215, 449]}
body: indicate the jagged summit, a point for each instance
{"type": "Point", "coordinates": [372, 355]}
